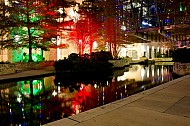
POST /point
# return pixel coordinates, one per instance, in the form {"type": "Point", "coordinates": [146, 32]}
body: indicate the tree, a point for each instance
{"type": "Point", "coordinates": [5, 24]}
{"type": "Point", "coordinates": [86, 30]}
{"type": "Point", "coordinates": [30, 23]}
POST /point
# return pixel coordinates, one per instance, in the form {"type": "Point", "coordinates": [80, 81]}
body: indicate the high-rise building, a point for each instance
{"type": "Point", "coordinates": [156, 24]}
{"type": "Point", "coordinates": [155, 20]}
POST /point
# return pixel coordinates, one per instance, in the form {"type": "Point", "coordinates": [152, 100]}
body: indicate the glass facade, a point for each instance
{"type": "Point", "coordinates": [164, 17]}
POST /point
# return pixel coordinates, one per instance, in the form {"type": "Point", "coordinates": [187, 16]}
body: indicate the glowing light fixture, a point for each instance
{"type": "Point", "coordinates": [123, 28]}
{"type": "Point", "coordinates": [95, 45]}
{"type": "Point", "coordinates": [54, 93]}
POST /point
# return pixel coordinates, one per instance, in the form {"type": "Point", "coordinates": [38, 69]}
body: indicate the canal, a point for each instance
{"type": "Point", "coordinates": [38, 101]}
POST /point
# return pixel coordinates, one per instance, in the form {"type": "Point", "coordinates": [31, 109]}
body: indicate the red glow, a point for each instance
{"type": "Point", "coordinates": [85, 32]}
{"type": "Point", "coordinates": [61, 46]}
{"type": "Point", "coordinates": [85, 99]}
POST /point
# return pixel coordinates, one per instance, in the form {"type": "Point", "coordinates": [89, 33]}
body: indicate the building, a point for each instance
{"type": "Point", "coordinates": [153, 26]}
{"type": "Point", "coordinates": [134, 28]}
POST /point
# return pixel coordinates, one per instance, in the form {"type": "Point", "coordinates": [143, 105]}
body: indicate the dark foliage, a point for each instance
{"type": "Point", "coordinates": [181, 55]}
{"type": "Point", "coordinates": [85, 66]}
{"type": "Point", "coordinates": [4, 62]}
{"type": "Point", "coordinates": [101, 56]}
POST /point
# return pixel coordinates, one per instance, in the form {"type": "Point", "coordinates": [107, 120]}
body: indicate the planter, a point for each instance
{"type": "Point", "coordinates": [181, 68]}
{"type": "Point", "coordinates": [120, 63]}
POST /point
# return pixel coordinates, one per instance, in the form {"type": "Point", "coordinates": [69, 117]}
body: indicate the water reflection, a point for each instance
{"type": "Point", "coordinates": [42, 100]}
{"type": "Point", "coordinates": [154, 73]}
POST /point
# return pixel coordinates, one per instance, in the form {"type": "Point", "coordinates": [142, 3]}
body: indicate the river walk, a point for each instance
{"type": "Point", "coordinates": [164, 105]}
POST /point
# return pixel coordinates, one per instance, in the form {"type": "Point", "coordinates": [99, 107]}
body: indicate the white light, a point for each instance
{"type": "Point", "coordinates": [59, 89]}
{"type": "Point", "coordinates": [135, 5]}
{"type": "Point", "coordinates": [158, 72]}
{"type": "Point", "coordinates": [123, 28]}
{"type": "Point", "coordinates": [144, 23]}
{"type": "Point", "coordinates": [153, 73]}
{"type": "Point", "coordinates": [58, 50]}
{"type": "Point", "coordinates": [82, 87]}
{"type": "Point", "coordinates": [162, 50]}
{"type": "Point", "coordinates": [60, 10]}
{"type": "Point", "coordinates": [142, 86]}
{"type": "Point", "coordinates": [95, 85]}
{"type": "Point", "coordinates": [147, 51]}
{"type": "Point", "coordinates": [19, 98]}
{"type": "Point", "coordinates": [74, 15]}
{"type": "Point", "coordinates": [53, 40]}
{"type": "Point", "coordinates": [148, 73]}
{"type": "Point", "coordinates": [142, 73]}
{"type": "Point", "coordinates": [95, 45]}
{"type": "Point", "coordinates": [6, 2]}
{"type": "Point", "coordinates": [54, 93]}
{"type": "Point", "coordinates": [158, 49]}
{"type": "Point", "coordinates": [80, 41]}
{"type": "Point", "coordinates": [17, 38]}
{"type": "Point", "coordinates": [40, 85]}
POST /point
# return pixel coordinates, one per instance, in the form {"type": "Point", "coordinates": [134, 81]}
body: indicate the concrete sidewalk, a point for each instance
{"type": "Point", "coordinates": [27, 74]}
{"type": "Point", "coordinates": [164, 105]}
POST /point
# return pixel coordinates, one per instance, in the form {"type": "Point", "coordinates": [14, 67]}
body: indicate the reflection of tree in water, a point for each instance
{"type": "Point", "coordinates": [85, 99]}
{"type": "Point", "coordinates": [74, 95]}
{"type": "Point", "coordinates": [67, 103]}
{"type": "Point", "coordinates": [82, 94]}
{"type": "Point", "coordinates": [73, 82]}
{"type": "Point", "coordinates": [19, 106]}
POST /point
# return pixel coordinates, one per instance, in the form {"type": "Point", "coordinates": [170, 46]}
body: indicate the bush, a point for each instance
{"type": "Point", "coordinates": [101, 56]}
{"type": "Point", "coordinates": [73, 57]}
{"type": "Point", "coordinates": [96, 64]}
{"type": "Point", "coordinates": [181, 55]}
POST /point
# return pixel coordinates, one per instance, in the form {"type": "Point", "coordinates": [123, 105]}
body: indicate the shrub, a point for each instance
{"type": "Point", "coordinates": [181, 55]}
{"type": "Point", "coordinates": [97, 64]}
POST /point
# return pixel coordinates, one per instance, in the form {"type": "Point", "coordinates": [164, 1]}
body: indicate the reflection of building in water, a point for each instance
{"type": "Point", "coordinates": [141, 73]}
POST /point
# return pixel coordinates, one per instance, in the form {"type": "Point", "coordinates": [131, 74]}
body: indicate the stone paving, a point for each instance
{"type": "Point", "coordinates": [164, 105]}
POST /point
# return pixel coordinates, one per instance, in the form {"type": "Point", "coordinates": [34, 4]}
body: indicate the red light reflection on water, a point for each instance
{"type": "Point", "coordinates": [85, 99]}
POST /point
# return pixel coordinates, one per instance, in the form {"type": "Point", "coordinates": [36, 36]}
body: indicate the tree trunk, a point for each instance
{"type": "Point", "coordinates": [29, 34]}
{"type": "Point", "coordinates": [30, 47]}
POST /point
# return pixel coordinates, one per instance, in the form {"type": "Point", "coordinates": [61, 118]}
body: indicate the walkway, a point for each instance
{"type": "Point", "coordinates": [164, 105]}
{"type": "Point", "coordinates": [27, 74]}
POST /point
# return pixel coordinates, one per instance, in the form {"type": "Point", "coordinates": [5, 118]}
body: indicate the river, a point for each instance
{"type": "Point", "coordinates": [56, 97]}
